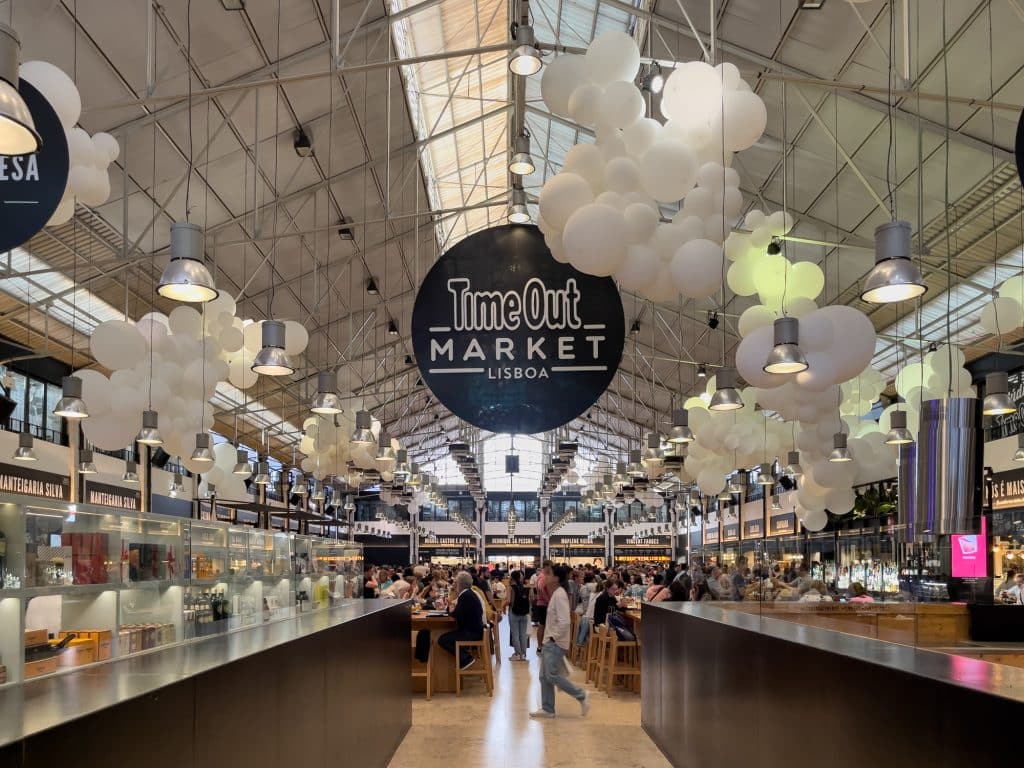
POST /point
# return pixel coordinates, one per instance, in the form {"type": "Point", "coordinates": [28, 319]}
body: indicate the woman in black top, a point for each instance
{"type": "Point", "coordinates": [519, 615]}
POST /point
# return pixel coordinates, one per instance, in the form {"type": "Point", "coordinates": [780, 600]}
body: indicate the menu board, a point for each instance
{"type": "Point", "coordinates": [753, 529]}
{"type": "Point", "coordinates": [711, 533]}
{"type": "Point", "coordinates": [782, 524]}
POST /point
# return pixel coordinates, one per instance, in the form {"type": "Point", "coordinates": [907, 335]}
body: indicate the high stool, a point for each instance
{"type": "Point", "coordinates": [481, 651]}
{"type": "Point", "coordinates": [492, 631]}
{"type": "Point", "coordinates": [419, 669]}
{"type": "Point", "coordinates": [628, 666]}
{"type": "Point", "coordinates": [595, 652]}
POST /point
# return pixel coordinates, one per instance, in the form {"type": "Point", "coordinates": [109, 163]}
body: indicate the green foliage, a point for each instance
{"type": "Point", "coordinates": [875, 502]}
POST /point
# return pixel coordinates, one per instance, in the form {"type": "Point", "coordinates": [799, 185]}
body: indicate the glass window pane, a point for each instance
{"type": "Point", "coordinates": [36, 404]}
{"type": "Point", "coordinates": [53, 423]}
{"type": "Point", "coordinates": [18, 396]}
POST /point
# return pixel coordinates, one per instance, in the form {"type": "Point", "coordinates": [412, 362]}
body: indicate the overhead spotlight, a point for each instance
{"type": "Point", "coordinates": [86, 466]}
{"type": "Point", "coordinates": [681, 432]}
{"type": "Point", "coordinates": [840, 453]}
{"type": "Point", "coordinates": [262, 476]}
{"type": "Point", "coordinates": [362, 435]}
{"type": "Point", "coordinates": [712, 320]}
{"type": "Point", "coordinates": [242, 467]}
{"type": "Point", "coordinates": [726, 398]}
{"type": "Point", "coordinates": [25, 451]}
{"type": "Point", "coordinates": [774, 248]}
{"type": "Point", "coordinates": [635, 327]}
{"type": "Point", "coordinates": [898, 433]}
{"type": "Point", "coordinates": [131, 472]}
{"type": "Point", "coordinates": [702, 371]}
{"type": "Point", "coordinates": [525, 57]}
{"type": "Point", "coordinates": [765, 478]}
{"type": "Point", "coordinates": [793, 468]}
{"type": "Point", "coordinates": [345, 230]}
{"type": "Point", "coordinates": [186, 278]}
{"type": "Point", "coordinates": [786, 356]}
{"type": "Point", "coordinates": [518, 213]}
{"type": "Point", "coordinates": [997, 402]}
{"type": "Point", "coordinates": [303, 146]}
{"type": "Point", "coordinates": [812, 5]}
{"type": "Point", "coordinates": [392, 328]}
{"type": "Point", "coordinates": [202, 454]}
{"type": "Point", "coordinates": [371, 287]}
{"type": "Point", "coordinates": [933, 347]}
{"type": "Point", "coordinates": [653, 80]}
{"type": "Point", "coordinates": [521, 163]}
{"type": "Point", "coordinates": [150, 433]}
{"type": "Point", "coordinates": [177, 485]}
{"type": "Point", "coordinates": [326, 400]}
{"type": "Point", "coordinates": [71, 405]}
{"type": "Point", "coordinates": [1018, 456]}
{"type": "Point", "coordinates": [18, 134]}
{"type": "Point", "coordinates": [894, 277]}
{"type": "Point", "coordinates": [272, 360]}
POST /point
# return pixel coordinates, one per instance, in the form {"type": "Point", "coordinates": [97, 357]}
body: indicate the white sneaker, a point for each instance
{"type": "Point", "coordinates": [540, 714]}
{"type": "Point", "coordinates": [468, 664]}
{"type": "Point", "coordinates": [585, 704]}
{"type": "Point", "coordinates": [515, 657]}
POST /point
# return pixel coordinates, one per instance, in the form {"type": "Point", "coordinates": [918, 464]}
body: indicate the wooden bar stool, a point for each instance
{"type": "Point", "coordinates": [596, 651]}
{"type": "Point", "coordinates": [494, 636]}
{"type": "Point", "coordinates": [419, 669]}
{"type": "Point", "coordinates": [480, 650]}
{"type": "Point", "coordinates": [623, 661]}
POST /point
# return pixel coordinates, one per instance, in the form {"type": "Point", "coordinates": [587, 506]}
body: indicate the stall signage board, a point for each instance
{"type": "Point", "coordinates": [104, 495]}
{"type": "Point", "coordinates": [31, 186]}
{"type": "Point", "coordinates": [731, 531]}
{"type": "Point", "coordinates": [1008, 489]}
{"type": "Point", "coordinates": [574, 541]}
{"type": "Point", "coordinates": [753, 529]}
{"type": "Point", "coordinates": [646, 542]}
{"type": "Point", "coordinates": [782, 525]}
{"type": "Point", "coordinates": [711, 533]}
{"type": "Point", "coordinates": [34, 482]}
{"type": "Point", "coordinates": [450, 541]}
{"type": "Point", "coordinates": [513, 541]}
{"type": "Point", "coordinates": [511, 340]}
{"type": "Point", "coordinates": [1011, 423]}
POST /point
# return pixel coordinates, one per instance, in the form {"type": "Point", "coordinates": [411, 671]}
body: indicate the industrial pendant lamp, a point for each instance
{"type": "Point", "coordinates": [681, 432]}
{"type": "Point", "coordinates": [149, 434]}
{"type": "Point", "coordinates": [1018, 456]}
{"type": "Point", "coordinates": [997, 400]}
{"type": "Point", "coordinates": [793, 468]}
{"type": "Point", "coordinates": [840, 453]}
{"type": "Point", "coordinates": [738, 482]}
{"type": "Point", "coordinates": [385, 453]}
{"type": "Point", "coordinates": [635, 468]}
{"type": "Point", "coordinates": [776, 506]}
{"type": "Point", "coordinates": [18, 134]}
{"type": "Point", "coordinates": [177, 485]}
{"type": "Point", "coordinates": [401, 468]}
{"type": "Point", "coordinates": [786, 356]}
{"type": "Point", "coordinates": [318, 493]}
{"type": "Point", "coordinates": [898, 433]}
{"type": "Point", "coordinates": [131, 472]}
{"type": "Point", "coordinates": [86, 466]}
{"type": "Point", "coordinates": [272, 360]}
{"type": "Point", "coordinates": [521, 163]}
{"type": "Point", "coordinates": [894, 277]}
{"type": "Point", "coordinates": [25, 451]}
{"type": "Point", "coordinates": [726, 398]}
{"type": "Point", "coordinates": [725, 495]}
{"type": "Point", "coordinates": [262, 473]}
{"type": "Point", "coordinates": [362, 434]}
{"type": "Point", "coordinates": [186, 277]}
{"type": "Point", "coordinates": [71, 406]}
{"type": "Point", "coordinates": [652, 81]}
{"type": "Point", "coordinates": [300, 487]}
{"type": "Point", "coordinates": [525, 57]}
{"type": "Point", "coordinates": [766, 479]}
{"type": "Point", "coordinates": [326, 400]}
{"type": "Point", "coordinates": [518, 213]}
{"type": "Point", "coordinates": [652, 460]}
{"type": "Point", "coordinates": [202, 454]}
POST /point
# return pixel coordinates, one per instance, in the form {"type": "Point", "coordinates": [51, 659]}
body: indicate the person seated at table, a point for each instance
{"type": "Point", "coordinates": [817, 593]}
{"type": "Point", "coordinates": [605, 602]}
{"type": "Point", "coordinates": [858, 594]}
{"type": "Point", "coordinates": [468, 613]}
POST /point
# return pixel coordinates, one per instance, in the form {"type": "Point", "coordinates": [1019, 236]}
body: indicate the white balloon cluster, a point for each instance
{"type": "Point", "coordinates": [89, 156]}
{"type": "Point", "coordinates": [325, 444]}
{"type": "Point", "coordinates": [601, 213]}
{"type": "Point", "coordinates": [1005, 313]}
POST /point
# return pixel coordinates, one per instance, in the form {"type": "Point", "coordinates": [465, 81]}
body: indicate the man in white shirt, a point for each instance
{"type": "Point", "coordinates": [554, 647]}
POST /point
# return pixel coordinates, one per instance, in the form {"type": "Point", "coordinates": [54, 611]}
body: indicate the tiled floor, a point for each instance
{"type": "Point", "coordinates": [476, 731]}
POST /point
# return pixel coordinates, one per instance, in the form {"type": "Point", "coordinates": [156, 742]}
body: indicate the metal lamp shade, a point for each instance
{"type": "Point", "coordinates": [262, 474]}
{"type": "Point", "coordinates": [385, 453]}
{"type": "Point", "coordinates": [242, 466]}
{"type": "Point", "coordinates": [202, 453]}
{"type": "Point", "coordinates": [326, 400]}
{"type": "Point", "coordinates": [272, 360]}
{"type": "Point", "coordinates": [786, 356]}
{"type": "Point", "coordinates": [898, 433]}
{"type": "Point", "coordinates": [840, 453]}
{"type": "Point", "coordinates": [86, 466]}
{"type": "Point", "coordinates": [71, 405]}
{"type": "Point", "coordinates": [894, 277]}
{"type": "Point", "coordinates": [518, 213]}
{"type": "Point", "coordinates": [186, 277]}
{"type": "Point", "coordinates": [1018, 455]}
{"type": "Point", "coordinates": [25, 451]}
{"type": "Point", "coordinates": [767, 479]}
{"type": "Point", "coordinates": [362, 434]}
{"type": "Point", "coordinates": [681, 432]}
{"type": "Point", "coordinates": [18, 134]}
{"type": "Point", "coordinates": [726, 398]}
{"type": "Point", "coordinates": [521, 163]}
{"type": "Point", "coordinates": [131, 472]}
{"type": "Point", "coordinates": [793, 467]}
{"type": "Point", "coordinates": [149, 434]}
{"type": "Point", "coordinates": [997, 400]}
{"type": "Point", "coordinates": [525, 58]}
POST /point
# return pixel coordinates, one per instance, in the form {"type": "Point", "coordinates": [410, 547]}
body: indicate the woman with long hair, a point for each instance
{"type": "Point", "coordinates": [518, 615]}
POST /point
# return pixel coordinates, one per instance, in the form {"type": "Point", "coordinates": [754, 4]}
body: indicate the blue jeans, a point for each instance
{"type": "Point", "coordinates": [583, 633]}
{"type": "Point", "coordinates": [518, 628]}
{"type": "Point", "coordinates": [552, 673]}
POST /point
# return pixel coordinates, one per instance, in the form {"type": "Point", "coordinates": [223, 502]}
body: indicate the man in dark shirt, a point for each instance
{"type": "Point", "coordinates": [468, 613]}
{"type": "Point", "coordinates": [606, 601]}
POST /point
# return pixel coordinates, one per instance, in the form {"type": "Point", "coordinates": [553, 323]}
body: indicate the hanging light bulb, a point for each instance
{"type": "Point", "coordinates": [840, 453]}
{"type": "Point", "coordinates": [414, 478]}
{"type": "Point", "coordinates": [401, 468]}
{"type": "Point", "coordinates": [521, 163]}
{"type": "Point", "coordinates": [653, 80]}
{"type": "Point", "coordinates": [786, 356]}
{"type": "Point", "coordinates": [242, 466]}
{"type": "Point", "coordinates": [326, 400]}
{"type": "Point", "coordinates": [793, 468]}
{"type": "Point", "coordinates": [997, 400]}
{"type": "Point", "coordinates": [18, 134]}
{"type": "Point", "coordinates": [202, 454]}
{"type": "Point", "coordinates": [681, 432]}
{"type": "Point", "coordinates": [150, 433]}
{"type": "Point", "coordinates": [71, 406]}
{"type": "Point", "coordinates": [262, 473]}
{"type": "Point", "coordinates": [86, 466]}
{"type": "Point", "coordinates": [776, 506]}
{"type": "Point", "coordinates": [525, 57]}
{"type": "Point", "coordinates": [300, 487]}
{"type": "Point", "coordinates": [726, 398]}
{"type": "Point", "coordinates": [898, 433]}
{"type": "Point", "coordinates": [177, 485]}
{"type": "Point", "coordinates": [518, 213]}
{"type": "Point", "coordinates": [1018, 456]}
{"type": "Point", "coordinates": [765, 479]}
{"type": "Point", "coordinates": [186, 277]}
{"type": "Point", "coordinates": [725, 494]}
{"type": "Point", "coordinates": [24, 451]}
{"type": "Point", "coordinates": [385, 453]}
{"type": "Point", "coordinates": [652, 459]}
{"type": "Point", "coordinates": [272, 360]}
{"type": "Point", "coordinates": [131, 472]}
{"type": "Point", "coordinates": [362, 434]}
{"type": "Point", "coordinates": [738, 482]}
{"type": "Point", "coordinates": [894, 277]}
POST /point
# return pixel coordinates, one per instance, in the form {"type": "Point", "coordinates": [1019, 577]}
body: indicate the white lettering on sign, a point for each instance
{"type": "Point", "coordinates": [538, 307]}
{"type": "Point", "coordinates": [19, 168]}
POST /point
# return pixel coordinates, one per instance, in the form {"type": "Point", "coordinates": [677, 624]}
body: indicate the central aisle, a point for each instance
{"type": "Point", "coordinates": [475, 731]}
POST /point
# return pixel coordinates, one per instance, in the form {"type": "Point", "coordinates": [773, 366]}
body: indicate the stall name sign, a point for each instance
{"type": "Point", "coordinates": [711, 534]}
{"type": "Point", "coordinates": [515, 541]}
{"type": "Point", "coordinates": [779, 524]}
{"type": "Point", "coordinates": [1011, 423]}
{"type": "Point", "coordinates": [1008, 489]}
{"type": "Point", "coordinates": [33, 482]}
{"type": "Point", "coordinates": [753, 528]}
{"type": "Point", "coordinates": [575, 541]}
{"type": "Point", "coordinates": [731, 531]}
{"type": "Point", "coordinates": [104, 495]}
{"type": "Point", "coordinates": [511, 340]}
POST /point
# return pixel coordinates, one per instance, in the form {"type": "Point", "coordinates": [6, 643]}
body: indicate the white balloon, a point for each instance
{"type": "Point", "coordinates": [96, 391]}
{"type": "Point", "coordinates": [117, 344]}
{"type": "Point", "coordinates": [296, 337]}
{"type": "Point", "coordinates": [612, 55]}
{"type": "Point", "coordinates": [668, 170]}
{"type": "Point", "coordinates": [186, 321]}
{"type": "Point", "coordinates": [806, 280]}
{"type": "Point", "coordinates": [65, 210]}
{"type": "Point", "coordinates": [106, 147]}
{"type": "Point", "coordinates": [57, 88]}
{"type": "Point", "coordinates": [754, 317]}
{"type": "Point", "coordinates": [740, 279]}
{"type": "Point", "coordinates": [639, 269]}
{"type": "Point", "coordinates": [112, 431]}
{"type": "Point", "coordinates": [640, 222]}
{"type": "Point", "coordinates": [81, 151]}
{"type": "Point", "coordinates": [587, 161]}
{"type": "Point", "coordinates": [689, 227]}
{"type": "Point", "coordinates": [621, 175]}
{"type": "Point", "coordinates": [595, 239]}
{"type": "Point", "coordinates": [231, 339]}
{"type": "Point", "coordinates": [639, 135]}
{"type": "Point", "coordinates": [561, 196]}
{"type": "Point", "coordinates": [621, 104]}
{"type": "Point", "coordinates": [585, 104]}
{"type": "Point", "coordinates": [662, 288]}
{"type": "Point", "coordinates": [1002, 315]}
{"type": "Point", "coordinates": [814, 520]}
{"type": "Point", "coordinates": [559, 79]}
{"type": "Point", "coordinates": [745, 119]}
{"type": "Point", "coordinates": [697, 268]}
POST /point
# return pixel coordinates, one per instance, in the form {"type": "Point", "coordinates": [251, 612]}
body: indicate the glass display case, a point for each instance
{"type": "Point", "coordinates": [85, 584]}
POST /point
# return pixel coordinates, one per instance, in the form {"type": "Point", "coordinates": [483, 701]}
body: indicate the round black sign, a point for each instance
{"type": "Point", "coordinates": [509, 339]}
{"type": "Point", "coordinates": [31, 186]}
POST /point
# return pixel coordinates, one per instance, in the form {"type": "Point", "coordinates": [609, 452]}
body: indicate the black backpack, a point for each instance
{"type": "Point", "coordinates": [520, 600]}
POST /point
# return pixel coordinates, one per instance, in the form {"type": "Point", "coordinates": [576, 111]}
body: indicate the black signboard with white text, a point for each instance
{"type": "Point", "coordinates": [1011, 423]}
{"type": "Point", "coordinates": [782, 524]}
{"type": "Point", "coordinates": [513, 542]}
{"type": "Point", "coordinates": [33, 482]}
{"type": "Point", "coordinates": [104, 495]}
{"type": "Point", "coordinates": [1008, 489]}
{"type": "Point", "coordinates": [509, 339]}
{"type": "Point", "coordinates": [753, 529]}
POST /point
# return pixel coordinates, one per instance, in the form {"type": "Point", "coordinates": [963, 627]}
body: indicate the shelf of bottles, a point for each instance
{"type": "Point", "coordinates": [83, 586]}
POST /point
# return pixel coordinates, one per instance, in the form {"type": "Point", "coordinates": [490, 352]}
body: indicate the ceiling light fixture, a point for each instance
{"type": "Point", "coordinates": [262, 473]}
{"type": "Point", "coordinates": [997, 401]}
{"type": "Point", "coordinates": [525, 57]}
{"type": "Point", "coordinates": [793, 468]}
{"type": "Point", "coordinates": [521, 163]}
{"type": "Point", "coordinates": [371, 287]}
{"type": "Point", "coordinates": [702, 371]}
{"type": "Point", "coordinates": [786, 356]}
{"type": "Point", "coordinates": [898, 433]}
{"type": "Point", "coordinates": [303, 146]}
{"type": "Point", "coordinates": [242, 466]}
{"type": "Point", "coordinates": [1018, 456]}
{"type": "Point", "coordinates": [25, 451]}
{"type": "Point", "coordinates": [345, 230]}
{"type": "Point", "coordinates": [18, 134]}
{"type": "Point", "coordinates": [765, 478]}
{"type": "Point", "coordinates": [681, 432]}
{"type": "Point", "coordinates": [894, 277]}
{"type": "Point", "coordinates": [131, 472]}
{"type": "Point", "coordinates": [202, 454]}
{"type": "Point", "coordinates": [653, 80]}
{"type": "Point", "coordinates": [518, 213]}
{"type": "Point", "coordinates": [186, 277]}
{"type": "Point", "coordinates": [326, 401]}
{"type": "Point", "coordinates": [812, 5]}
{"type": "Point", "coordinates": [70, 405]}
{"type": "Point", "coordinates": [149, 434]}
{"type": "Point", "coordinates": [362, 435]}
{"type": "Point", "coordinates": [634, 329]}
{"type": "Point", "coordinates": [392, 328]}
{"type": "Point", "coordinates": [840, 453]}
{"type": "Point", "coordinates": [177, 485]}
{"type": "Point", "coordinates": [774, 247]}
{"type": "Point", "coordinates": [272, 360]}
{"type": "Point", "coordinates": [86, 466]}
{"type": "Point", "coordinates": [726, 398]}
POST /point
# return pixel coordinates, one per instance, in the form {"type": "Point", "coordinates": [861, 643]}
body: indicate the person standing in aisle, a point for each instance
{"type": "Point", "coordinates": [519, 616]}
{"type": "Point", "coordinates": [542, 594]}
{"type": "Point", "coordinates": [554, 646]}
